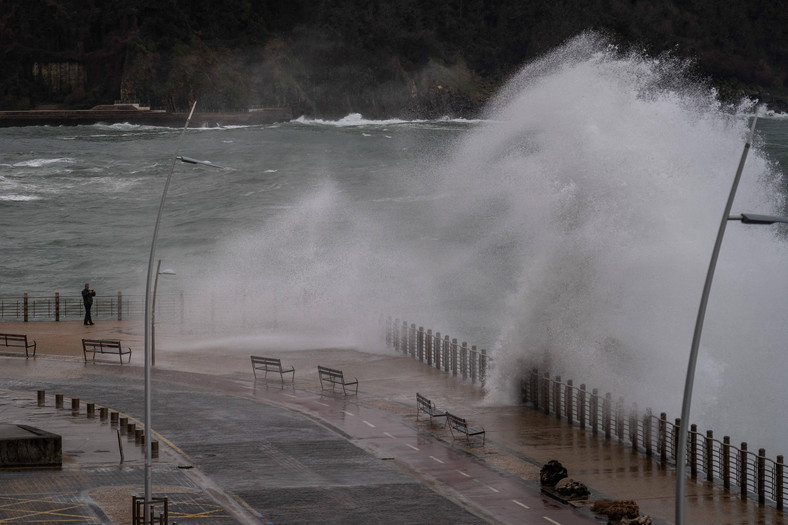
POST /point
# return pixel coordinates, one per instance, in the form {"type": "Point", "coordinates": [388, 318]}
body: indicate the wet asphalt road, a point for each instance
{"type": "Point", "coordinates": [268, 454]}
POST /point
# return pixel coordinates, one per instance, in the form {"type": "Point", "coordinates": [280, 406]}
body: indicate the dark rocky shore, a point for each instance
{"type": "Point", "coordinates": [134, 114]}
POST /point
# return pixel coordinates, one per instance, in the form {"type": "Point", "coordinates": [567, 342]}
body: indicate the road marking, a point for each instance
{"type": "Point", "coordinates": [411, 446]}
{"type": "Point", "coordinates": [292, 395]}
{"type": "Point", "coordinates": [389, 435]}
{"type": "Point", "coordinates": [551, 521]}
{"type": "Point", "coordinates": [436, 459]}
{"type": "Point", "coordinates": [368, 423]}
{"type": "Point", "coordinates": [324, 404]}
{"type": "Point", "coordinates": [348, 413]}
{"type": "Point", "coordinates": [523, 505]}
{"type": "Point", "coordinates": [464, 474]}
{"type": "Point", "coordinates": [492, 488]}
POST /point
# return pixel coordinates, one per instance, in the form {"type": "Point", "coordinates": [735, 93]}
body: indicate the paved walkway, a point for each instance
{"type": "Point", "coordinates": [235, 450]}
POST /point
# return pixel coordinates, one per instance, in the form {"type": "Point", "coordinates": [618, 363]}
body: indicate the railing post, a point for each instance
{"type": "Point", "coordinates": [412, 341]}
{"type": "Point", "coordinates": [677, 424]}
{"type": "Point", "coordinates": [709, 455]}
{"type": "Point", "coordinates": [454, 352]}
{"type": "Point", "coordinates": [430, 345]}
{"type": "Point", "coordinates": [557, 396]}
{"type": "Point", "coordinates": [483, 367]}
{"type": "Point", "coordinates": [726, 462]}
{"type": "Point", "coordinates": [545, 392]}
{"type": "Point", "coordinates": [693, 450]}
{"type": "Point", "coordinates": [57, 306]}
{"type": "Point", "coordinates": [593, 410]}
{"type": "Point", "coordinates": [403, 338]}
{"type": "Point", "coordinates": [395, 335]}
{"type": "Point", "coordinates": [24, 307]}
{"type": "Point", "coordinates": [761, 475]}
{"type": "Point", "coordinates": [420, 344]}
{"type": "Point", "coordinates": [388, 331]}
{"type": "Point", "coordinates": [568, 399]}
{"type": "Point", "coordinates": [438, 350]}
{"type": "Point", "coordinates": [532, 389]}
{"type": "Point", "coordinates": [633, 427]}
{"type": "Point", "coordinates": [743, 470]}
{"type": "Point", "coordinates": [606, 417]}
{"type": "Point", "coordinates": [647, 436]}
{"type": "Point", "coordinates": [446, 353]}
{"type": "Point", "coordinates": [779, 482]}
{"type": "Point", "coordinates": [120, 306]}
{"type": "Point", "coordinates": [474, 359]}
{"type": "Point", "coordinates": [662, 438]}
{"type": "Point", "coordinates": [464, 360]}
{"type": "Point", "coordinates": [581, 405]}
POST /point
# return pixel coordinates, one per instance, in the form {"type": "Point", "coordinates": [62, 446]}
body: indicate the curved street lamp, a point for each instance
{"type": "Point", "coordinates": [746, 218]}
{"type": "Point", "coordinates": [159, 271]}
{"type": "Point", "coordinates": [148, 501]}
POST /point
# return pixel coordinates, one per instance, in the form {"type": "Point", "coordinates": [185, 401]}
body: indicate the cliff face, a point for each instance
{"type": "Point", "coordinates": [405, 58]}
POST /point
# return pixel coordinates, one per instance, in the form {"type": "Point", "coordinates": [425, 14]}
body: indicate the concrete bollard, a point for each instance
{"type": "Point", "coordinates": [123, 423]}
{"type": "Point", "coordinates": [139, 435]}
{"type": "Point", "coordinates": [154, 449]}
{"type": "Point", "coordinates": [75, 404]}
{"type": "Point", "coordinates": [130, 428]}
{"type": "Point", "coordinates": [113, 417]}
{"type": "Point", "coordinates": [58, 400]}
{"type": "Point", "coordinates": [91, 409]}
{"type": "Point", "coordinates": [41, 398]}
{"type": "Point", "coordinates": [103, 411]}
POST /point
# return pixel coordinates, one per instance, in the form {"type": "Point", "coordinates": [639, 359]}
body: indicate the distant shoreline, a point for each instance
{"type": "Point", "coordinates": [133, 114]}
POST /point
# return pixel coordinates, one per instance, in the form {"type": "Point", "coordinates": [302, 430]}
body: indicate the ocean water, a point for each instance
{"type": "Point", "coordinates": [569, 228]}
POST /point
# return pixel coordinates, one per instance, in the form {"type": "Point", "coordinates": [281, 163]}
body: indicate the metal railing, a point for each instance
{"type": "Point", "coordinates": [736, 469]}
{"type": "Point", "coordinates": [55, 307]}
{"type": "Point", "coordinates": [443, 353]}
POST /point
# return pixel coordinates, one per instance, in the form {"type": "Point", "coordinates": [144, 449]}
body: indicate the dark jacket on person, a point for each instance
{"type": "Point", "coordinates": [87, 297]}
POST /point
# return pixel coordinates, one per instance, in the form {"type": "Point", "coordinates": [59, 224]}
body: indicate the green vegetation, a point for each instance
{"type": "Point", "coordinates": [378, 58]}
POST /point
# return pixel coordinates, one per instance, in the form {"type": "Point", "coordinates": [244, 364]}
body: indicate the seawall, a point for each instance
{"type": "Point", "coordinates": [134, 115]}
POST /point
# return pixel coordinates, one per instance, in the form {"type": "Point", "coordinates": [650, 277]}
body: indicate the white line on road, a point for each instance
{"type": "Point", "coordinates": [552, 521]}
{"type": "Point", "coordinates": [411, 446]}
{"type": "Point", "coordinates": [348, 413]}
{"type": "Point", "coordinates": [492, 488]}
{"type": "Point", "coordinates": [389, 435]}
{"type": "Point", "coordinates": [523, 505]}
{"type": "Point", "coordinates": [324, 404]}
{"type": "Point", "coordinates": [464, 474]}
{"type": "Point", "coordinates": [292, 395]}
{"type": "Point", "coordinates": [369, 424]}
{"type": "Point", "coordinates": [436, 459]}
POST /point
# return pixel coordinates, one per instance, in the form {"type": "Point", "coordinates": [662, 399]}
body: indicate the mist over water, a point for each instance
{"type": "Point", "coordinates": [609, 174]}
{"type": "Point", "coordinates": [570, 229]}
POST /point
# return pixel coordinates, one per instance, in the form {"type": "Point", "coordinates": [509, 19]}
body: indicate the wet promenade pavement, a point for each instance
{"type": "Point", "coordinates": [236, 450]}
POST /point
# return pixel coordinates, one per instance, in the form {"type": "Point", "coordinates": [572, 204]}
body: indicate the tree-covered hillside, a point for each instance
{"type": "Point", "coordinates": [379, 58]}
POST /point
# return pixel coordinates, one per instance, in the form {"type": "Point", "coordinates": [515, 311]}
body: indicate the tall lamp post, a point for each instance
{"type": "Point", "coordinates": [148, 501]}
{"type": "Point", "coordinates": [746, 218]}
{"type": "Point", "coordinates": [159, 271]}
{"type": "Point", "coordinates": [149, 309]}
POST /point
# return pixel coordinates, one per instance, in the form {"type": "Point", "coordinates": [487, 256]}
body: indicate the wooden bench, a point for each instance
{"type": "Point", "coordinates": [269, 364]}
{"type": "Point", "coordinates": [425, 405]}
{"type": "Point", "coordinates": [461, 426]}
{"type": "Point", "coordinates": [18, 341]}
{"type": "Point", "coordinates": [335, 377]}
{"type": "Point", "coordinates": [104, 346]}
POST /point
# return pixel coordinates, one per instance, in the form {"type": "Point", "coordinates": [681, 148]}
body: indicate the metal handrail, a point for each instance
{"type": "Point", "coordinates": [736, 468]}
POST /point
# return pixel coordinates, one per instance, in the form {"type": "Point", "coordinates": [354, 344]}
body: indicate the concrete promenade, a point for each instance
{"type": "Point", "coordinates": [236, 450]}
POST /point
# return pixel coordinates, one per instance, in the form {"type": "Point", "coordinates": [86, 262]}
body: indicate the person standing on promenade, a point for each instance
{"type": "Point", "coordinates": [87, 298]}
